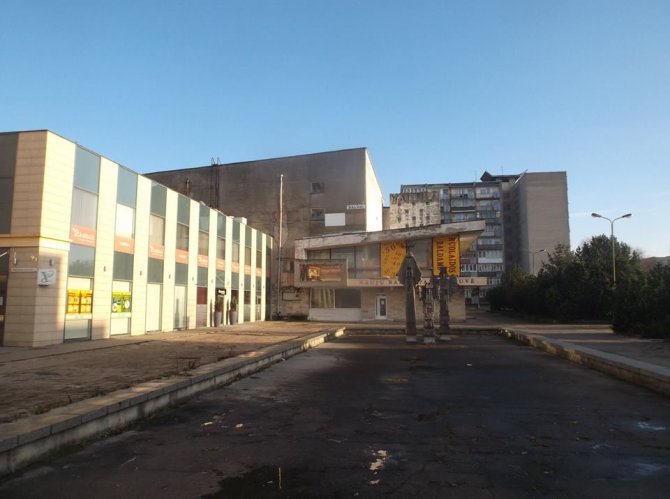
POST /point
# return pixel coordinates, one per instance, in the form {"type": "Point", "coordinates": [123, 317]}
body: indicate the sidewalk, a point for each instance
{"type": "Point", "coordinates": [58, 395]}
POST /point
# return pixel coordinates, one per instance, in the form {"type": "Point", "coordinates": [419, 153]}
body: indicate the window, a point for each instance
{"type": "Point", "coordinates": [180, 273]}
{"type": "Point", "coordinates": [423, 253]}
{"type": "Point", "coordinates": [157, 230]}
{"type": "Point", "coordinates": [317, 187]}
{"type": "Point", "coordinates": [81, 261]}
{"type": "Point", "coordinates": [155, 270]}
{"type": "Point", "coordinates": [368, 261]}
{"type": "Point", "coordinates": [123, 266]}
{"type": "Point", "coordinates": [247, 255]}
{"type": "Point", "coordinates": [86, 170]}
{"type": "Point", "coordinates": [183, 209]}
{"type": "Point", "coordinates": [203, 219]}
{"type": "Point", "coordinates": [126, 190]}
{"type": "Point", "coordinates": [220, 248]}
{"type": "Point", "coordinates": [125, 221]}
{"type": "Point", "coordinates": [348, 254]}
{"type": "Point", "coordinates": [236, 252]}
{"type": "Point", "coordinates": [203, 243]}
{"type": "Point", "coordinates": [158, 199]}
{"type": "Point", "coordinates": [84, 208]}
{"type": "Point", "coordinates": [318, 214]}
{"type": "Point", "coordinates": [182, 237]}
{"type": "Point", "coordinates": [335, 298]}
{"type": "Point", "coordinates": [259, 259]}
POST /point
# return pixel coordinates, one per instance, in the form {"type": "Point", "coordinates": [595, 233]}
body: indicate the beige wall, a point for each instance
{"type": "Point", "coordinates": [104, 250]}
{"type": "Point", "coordinates": [142, 215]}
{"type": "Point", "coordinates": [35, 315]}
{"type": "Point", "coordinates": [40, 238]}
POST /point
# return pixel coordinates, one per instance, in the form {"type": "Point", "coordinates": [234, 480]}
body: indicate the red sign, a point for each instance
{"type": "Point", "coordinates": [124, 244]}
{"type": "Point", "coordinates": [82, 235]}
{"type": "Point", "coordinates": [181, 256]}
{"type": "Point", "coordinates": [156, 251]}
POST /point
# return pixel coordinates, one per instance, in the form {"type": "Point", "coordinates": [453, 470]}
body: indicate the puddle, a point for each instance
{"type": "Point", "coordinates": [642, 425]}
{"type": "Point", "coordinates": [649, 469]}
{"type": "Point", "coordinates": [267, 481]}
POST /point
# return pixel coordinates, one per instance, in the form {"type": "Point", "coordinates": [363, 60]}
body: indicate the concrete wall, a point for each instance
{"type": "Point", "coordinates": [423, 208]}
{"type": "Point", "coordinates": [543, 220]}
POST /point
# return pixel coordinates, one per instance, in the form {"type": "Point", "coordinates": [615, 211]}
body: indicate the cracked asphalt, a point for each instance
{"type": "Point", "coordinates": [369, 416]}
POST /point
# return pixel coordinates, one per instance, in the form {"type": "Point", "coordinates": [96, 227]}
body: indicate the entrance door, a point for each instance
{"type": "Point", "coordinates": [201, 309]}
{"type": "Point", "coordinates": [380, 308]}
{"type": "Point", "coordinates": [154, 292]}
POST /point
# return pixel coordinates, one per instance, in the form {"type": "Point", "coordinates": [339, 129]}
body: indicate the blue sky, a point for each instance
{"type": "Point", "coordinates": [439, 91]}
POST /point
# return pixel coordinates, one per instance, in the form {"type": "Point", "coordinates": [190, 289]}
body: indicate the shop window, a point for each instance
{"type": "Point", "coordinates": [181, 273]}
{"type": "Point", "coordinates": [84, 208]}
{"type": "Point", "coordinates": [81, 261]}
{"type": "Point", "coordinates": [347, 298]}
{"type": "Point", "coordinates": [202, 276]}
{"type": "Point", "coordinates": [335, 298]}
{"type": "Point", "coordinates": [123, 266]}
{"type": "Point", "coordinates": [155, 270]}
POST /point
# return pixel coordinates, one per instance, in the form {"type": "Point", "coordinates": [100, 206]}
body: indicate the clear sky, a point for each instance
{"type": "Point", "coordinates": [438, 91]}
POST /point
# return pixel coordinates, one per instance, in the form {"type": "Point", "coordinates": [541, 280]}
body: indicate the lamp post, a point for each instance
{"type": "Point", "coordinates": [543, 250]}
{"type": "Point", "coordinates": [611, 221]}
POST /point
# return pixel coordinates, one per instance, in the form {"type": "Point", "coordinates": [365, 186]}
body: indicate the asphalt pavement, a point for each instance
{"type": "Point", "coordinates": [56, 396]}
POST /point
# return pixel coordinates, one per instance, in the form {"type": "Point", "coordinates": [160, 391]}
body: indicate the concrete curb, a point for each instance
{"type": "Point", "coordinates": [27, 440]}
{"type": "Point", "coordinates": [656, 378]}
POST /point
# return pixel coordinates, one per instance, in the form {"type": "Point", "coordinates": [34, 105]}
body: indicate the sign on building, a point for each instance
{"type": "Point", "coordinates": [392, 255]}
{"type": "Point", "coordinates": [317, 273]}
{"type": "Point", "coordinates": [447, 253]}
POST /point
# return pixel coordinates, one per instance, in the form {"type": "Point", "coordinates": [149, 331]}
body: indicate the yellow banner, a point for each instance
{"type": "Point", "coordinates": [392, 255]}
{"type": "Point", "coordinates": [447, 253]}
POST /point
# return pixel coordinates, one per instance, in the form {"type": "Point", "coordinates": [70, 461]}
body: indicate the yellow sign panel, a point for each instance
{"type": "Point", "coordinates": [447, 253]}
{"type": "Point", "coordinates": [79, 301]}
{"type": "Point", "coordinates": [392, 255]}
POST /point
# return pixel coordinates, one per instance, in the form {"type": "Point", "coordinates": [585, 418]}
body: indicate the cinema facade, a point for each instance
{"type": "Point", "coordinates": [353, 277]}
{"type": "Point", "coordinates": [90, 249]}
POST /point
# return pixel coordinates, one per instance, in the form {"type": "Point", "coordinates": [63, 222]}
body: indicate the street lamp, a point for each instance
{"type": "Point", "coordinates": [535, 253]}
{"type": "Point", "coordinates": [611, 221]}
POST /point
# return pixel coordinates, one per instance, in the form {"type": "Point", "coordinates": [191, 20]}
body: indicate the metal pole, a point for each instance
{"type": "Point", "coordinates": [281, 220]}
{"type": "Point", "coordinates": [613, 254]}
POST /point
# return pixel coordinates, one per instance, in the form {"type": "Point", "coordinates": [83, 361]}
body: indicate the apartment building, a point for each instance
{"type": "Point", "coordinates": [526, 216]}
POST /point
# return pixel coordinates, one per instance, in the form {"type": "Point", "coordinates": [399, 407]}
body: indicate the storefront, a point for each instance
{"type": "Point", "coordinates": [123, 254]}
{"type": "Point", "coordinates": [353, 277]}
